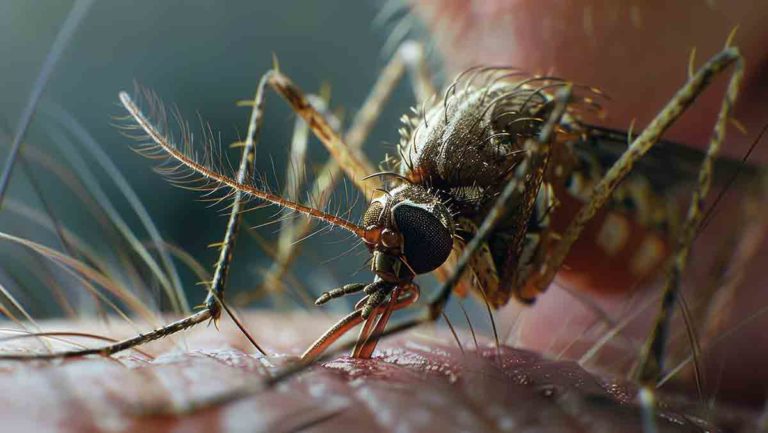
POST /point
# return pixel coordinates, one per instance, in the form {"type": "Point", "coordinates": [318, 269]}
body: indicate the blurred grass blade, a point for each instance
{"type": "Point", "coordinates": [92, 184]}
{"type": "Point", "coordinates": [76, 14]}
{"type": "Point", "coordinates": [174, 290]}
{"type": "Point", "coordinates": [16, 305]}
{"type": "Point", "coordinates": [89, 273]}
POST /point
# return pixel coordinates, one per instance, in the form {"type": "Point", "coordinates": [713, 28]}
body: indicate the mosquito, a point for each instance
{"type": "Point", "coordinates": [495, 181]}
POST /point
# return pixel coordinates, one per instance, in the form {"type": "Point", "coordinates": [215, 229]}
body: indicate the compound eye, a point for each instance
{"type": "Point", "coordinates": [426, 241]}
{"type": "Point", "coordinates": [390, 238]}
{"type": "Point", "coordinates": [372, 216]}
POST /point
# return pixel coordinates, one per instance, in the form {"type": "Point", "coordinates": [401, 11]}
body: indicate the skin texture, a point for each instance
{"type": "Point", "coordinates": [416, 383]}
{"type": "Point", "coordinates": [637, 52]}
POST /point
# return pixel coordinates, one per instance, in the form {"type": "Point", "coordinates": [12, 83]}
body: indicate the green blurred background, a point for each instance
{"type": "Point", "coordinates": [202, 56]}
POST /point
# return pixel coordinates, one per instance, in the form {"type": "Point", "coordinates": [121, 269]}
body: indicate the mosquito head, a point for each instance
{"type": "Point", "coordinates": [410, 232]}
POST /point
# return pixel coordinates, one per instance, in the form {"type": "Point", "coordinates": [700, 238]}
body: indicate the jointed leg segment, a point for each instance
{"type": "Point", "coordinates": [355, 318]}
{"type": "Point", "coordinates": [410, 57]}
{"type": "Point", "coordinates": [348, 157]}
{"type": "Point", "coordinates": [653, 353]}
{"type": "Point", "coordinates": [650, 136]}
{"type": "Point", "coordinates": [356, 167]}
{"type": "Point", "coordinates": [213, 303]}
{"type": "Point", "coordinates": [684, 98]}
{"type": "Point", "coordinates": [536, 155]}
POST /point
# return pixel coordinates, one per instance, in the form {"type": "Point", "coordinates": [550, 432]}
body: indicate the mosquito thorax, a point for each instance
{"type": "Point", "coordinates": [472, 138]}
{"type": "Point", "coordinates": [409, 231]}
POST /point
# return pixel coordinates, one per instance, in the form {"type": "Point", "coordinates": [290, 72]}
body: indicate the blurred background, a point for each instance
{"type": "Point", "coordinates": [203, 57]}
{"type": "Point", "coordinates": [78, 187]}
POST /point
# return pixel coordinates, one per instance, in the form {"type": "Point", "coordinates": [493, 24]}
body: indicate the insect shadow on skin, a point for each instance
{"type": "Point", "coordinates": [395, 267]}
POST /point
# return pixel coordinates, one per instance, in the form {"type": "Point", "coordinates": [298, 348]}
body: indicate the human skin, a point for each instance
{"type": "Point", "coordinates": [391, 391]}
{"type": "Point", "coordinates": [637, 53]}
{"type": "Point", "coordinates": [416, 382]}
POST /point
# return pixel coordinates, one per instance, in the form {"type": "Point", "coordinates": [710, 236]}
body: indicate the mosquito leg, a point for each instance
{"type": "Point", "coordinates": [366, 330]}
{"type": "Point", "coordinates": [215, 298]}
{"type": "Point", "coordinates": [537, 153]}
{"type": "Point", "coordinates": [346, 152]}
{"type": "Point", "coordinates": [295, 174]}
{"type": "Point", "coordinates": [328, 175]}
{"type": "Point", "coordinates": [623, 166]}
{"type": "Point", "coordinates": [213, 302]}
{"type": "Point", "coordinates": [652, 357]}
{"type": "Point", "coordinates": [347, 323]}
{"type": "Point", "coordinates": [337, 331]}
{"type": "Point", "coordinates": [371, 340]}
{"type": "Point", "coordinates": [408, 57]}
{"type": "Point", "coordinates": [292, 230]}
{"type": "Point", "coordinates": [352, 161]}
{"type": "Point", "coordinates": [651, 363]}
{"type": "Point", "coordinates": [350, 321]}
{"type": "Point", "coordinates": [339, 292]}
{"type": "Point", "coordinates": [370, 311]}
{"type": "Point", "coordinates": [538, 150]}
{"type": "Point", "coordinates": [653, 352]}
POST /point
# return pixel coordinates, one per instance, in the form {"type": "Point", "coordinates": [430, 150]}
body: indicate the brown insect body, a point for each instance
{"type": "Point", "coordinates": [463, 151]}
{"type": "Point", "coordinates": [503, 166]}
{"type": "Point", "coordinates": [454, 161]}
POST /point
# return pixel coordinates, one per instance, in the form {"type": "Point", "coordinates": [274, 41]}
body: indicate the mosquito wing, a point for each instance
{"type": "Point", "coordinates": [668, 166]}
